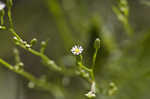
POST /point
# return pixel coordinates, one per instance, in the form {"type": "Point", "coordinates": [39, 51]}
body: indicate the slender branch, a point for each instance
{"type": "Point", "coordinates": [122, 12]}
{"type": "Point", "coordinates": [80, 64]}
{"type": "Point", "coordinates": [94, 58]}
{"type": "Point", "coordinates": [84, 71]}
{"type": "Point", "coordinates": [84, 67]}
{"type": "Point", "coordinates": [45, 85]}
{"type": "Point", "coordinates": [48, 62]}
{"type": "Point", "coordinates": [2, 16]}
{"type": "Point", "coordinates": [61, 23]}
{"type": "Point", "coordinates": [9, 6]}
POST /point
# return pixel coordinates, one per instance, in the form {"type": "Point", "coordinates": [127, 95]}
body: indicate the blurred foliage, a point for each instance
{"type": "Point", "coordinates": [123, 58]}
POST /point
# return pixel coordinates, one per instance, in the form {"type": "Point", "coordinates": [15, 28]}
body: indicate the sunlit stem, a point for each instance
{"type": "Point", "coordinates": [17, 57]}
{"type": "Point", "coordinates": [97, 47]}
{"type": "Point", "coordinates": [9, 5]}
{"type": "Point", "coordinates": [45, 85]}
{"type": "Point", "coordinates": [93, 64]}
{"type": "Point", "coordinates": [94, 59]}
{"type": "Point", "coordinates": [81, 64]}
{"type": "Point", "coordinates": [61, 22]}
{"type": "Point", "coordinates": [2, 17]}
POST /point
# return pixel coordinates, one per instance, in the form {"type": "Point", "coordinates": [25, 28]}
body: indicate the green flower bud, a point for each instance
{"type": "Point", "coordinates": [43, 44]}
{"type": "Point", "coordinates": [21, 64]}
{"type": "Point", "coordinates": [33, 41]}
{"type": "Point", "coordinates": [97, 43]}
{"type": "Point", "coordinates": [31, 85]}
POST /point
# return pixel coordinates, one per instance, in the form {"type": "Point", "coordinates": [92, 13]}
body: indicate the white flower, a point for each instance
{"type": "Point", "coordinates": [76, 50]}
{"type": "Point", "coordinates": [2, 5]}
{"type": "Point", "coordinates": [90, 94]}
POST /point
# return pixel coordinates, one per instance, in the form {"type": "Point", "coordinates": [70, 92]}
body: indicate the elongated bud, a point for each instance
{"type": "Point", "coordinates": [97, 43]}
{"type": "Point", "coordinates": [33, 41]}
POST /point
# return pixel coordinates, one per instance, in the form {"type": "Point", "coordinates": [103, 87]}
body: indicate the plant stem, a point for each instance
{"type": "Point", "coordinates": [2, 17]}
{"type": "Point", "coordinates": [64, 30]}
{"type": "Point", "coordinates": [45, 85]}
{"type": "Point", "coordinates": [81, 64]}
{"type": "Point", "coordinates": [10, 17]}
{"type": "Point", "coordinates": [48, 62]}
{"type": "Point", "coordinates": [94, 59]}
{"type": "Point", "coordinates": [93, 64]}
{"type": "Point", "coordinates": [84, 67]}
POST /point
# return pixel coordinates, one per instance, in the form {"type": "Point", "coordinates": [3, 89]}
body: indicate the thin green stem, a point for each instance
{"type": "Point", "coordinates": [84, 67]}
{"type": "Point", "coordinates": [122, 12]}
{"type": "Point", "coordinates": [9, 3]}
{"type": "Point", "coordinates": [48, 62]}
{"type": "Point", "coordinates": [92, 76]}
{"type": "Point", "coordinates": [94, 59]}
{"type": "Point", "coordinates": [14, 33]}
{"type": "Point", "coordinates": [61, 23]}
{"type": "Point", "coordinates": [2, 17]}
{"type": "Point", "coordinates": [17, 57]}
{"type": "Point", "coordinates": [93, 64]}
{"type": "Point", "coordinates": [45, 85]}
{"type": "Point", "coordinates": [128, 28]}
{"type": "Point", "coordinates": [81, 64]}
{"type": "Point", "coordinates": [84, 71]}
{"type": "Point", "coordinates": [10, 18]}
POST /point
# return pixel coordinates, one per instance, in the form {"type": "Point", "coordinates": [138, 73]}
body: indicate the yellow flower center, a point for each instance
{"type": "Point", "coordinates": [77, 50]}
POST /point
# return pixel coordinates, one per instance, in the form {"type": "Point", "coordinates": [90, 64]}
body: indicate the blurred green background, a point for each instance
{"type": "Point", "coordinates": [122, 59]}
